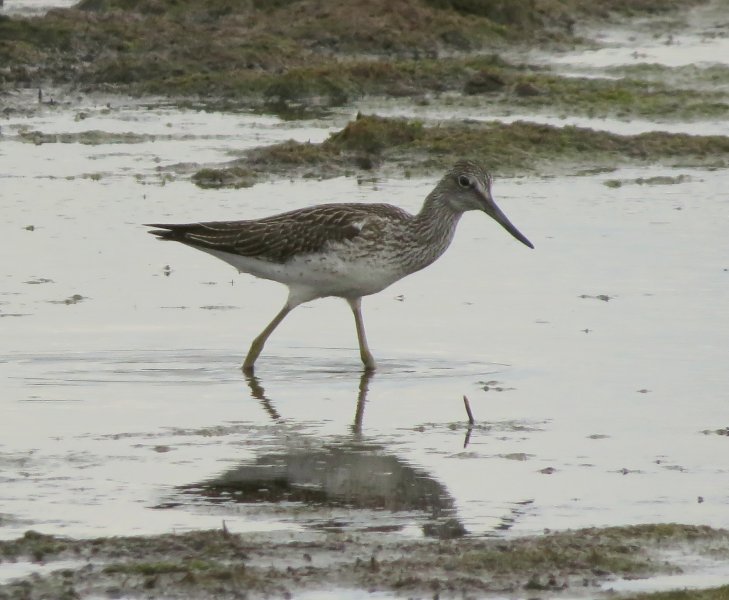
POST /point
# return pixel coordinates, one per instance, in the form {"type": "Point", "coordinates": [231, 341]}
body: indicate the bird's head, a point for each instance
{"type": "Point", "coordinates": [467, 186]}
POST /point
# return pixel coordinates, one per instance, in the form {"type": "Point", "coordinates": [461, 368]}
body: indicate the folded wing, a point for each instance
{"type": "Point", "coordinates": [280, 237]}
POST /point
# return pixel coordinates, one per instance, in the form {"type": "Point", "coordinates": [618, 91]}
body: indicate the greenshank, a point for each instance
{"type": "Point", "coordinates": [345, 250]}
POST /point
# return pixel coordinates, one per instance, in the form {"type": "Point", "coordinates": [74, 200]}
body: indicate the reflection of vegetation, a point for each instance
{"type": "Point", "coordinates": [518, 147]}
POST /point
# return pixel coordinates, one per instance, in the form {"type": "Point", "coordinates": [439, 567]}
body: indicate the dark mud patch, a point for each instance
{"type": "Point", "coordinates": [74, 299]}
{"type": "Point", "coordinates": [89, 138]}
{"type": "Point", "coordinates": [401, 146]}
{"type": "Point", "coordinates": [221, 564]}
{"type": "Point", "coordinates": [601, 297]}
{"type": "Point", "coordinates": [219, 307]}
{"type": "Point", "coordinates": [232, 176]}
{"type": "Point", "coordinates": [724, 431]}
{"type": "Point", "coordinates": [657, 180]}
{"type": "Point", "coordinates": [494, 386]}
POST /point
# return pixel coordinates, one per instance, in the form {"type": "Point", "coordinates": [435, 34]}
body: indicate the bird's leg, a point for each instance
{"type": "Point", "coordinates": [260, 341]}
{"type": "Point", "coordinates": [367, 359]}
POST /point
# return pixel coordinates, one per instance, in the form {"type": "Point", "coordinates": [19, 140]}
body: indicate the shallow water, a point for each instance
{"type": "Point", "coordinates": [32, 7]}
{"type": "Point", "coordinates": [701, 39]}
{"type": "Point", "coordinates": [18, 570]}
{"type": "Point", "coordinates": [477, 112]}
{"type": "Point", "coordinates": [123, 400]}
{"type": "Point", "coordinates": [595, 364]}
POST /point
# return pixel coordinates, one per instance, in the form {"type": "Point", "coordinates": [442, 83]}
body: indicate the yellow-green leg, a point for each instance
{"type": "Point", "coordinates": [260, 341]}
{"type": "Point", "coordinates": [364, 351]}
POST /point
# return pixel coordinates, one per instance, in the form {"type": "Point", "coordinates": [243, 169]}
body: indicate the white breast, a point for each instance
{"type": "Point", "coordinates": [319, 275]}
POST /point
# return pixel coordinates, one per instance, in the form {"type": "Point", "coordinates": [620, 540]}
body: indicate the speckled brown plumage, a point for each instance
{"type": "Point", "coordinates": [280, 237]}
{"type": "Point", "coordinates": [346, 250]}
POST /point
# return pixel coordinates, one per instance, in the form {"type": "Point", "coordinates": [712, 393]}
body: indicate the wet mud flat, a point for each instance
{"type": "Point", "coordinates": [597, 381]}
{"type": "Point", "coordinates": [303, 58]}
{"type": "Point", "coordinates": [220, 564]}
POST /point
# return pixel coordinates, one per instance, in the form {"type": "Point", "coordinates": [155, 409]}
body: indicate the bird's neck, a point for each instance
{"type": "Point", "coordinates": [437, 219]}
{"type": "Point", "coordinates": [433, 228]}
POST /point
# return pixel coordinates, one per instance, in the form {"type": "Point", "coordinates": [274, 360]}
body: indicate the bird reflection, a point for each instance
{"type": "Point", "coordinates": [259, 394]}
{"type": "Point", "coordinates": [364, 387]}
{"type": "Point", "coordinates": [347, 473]}
{"type": "Point", "coordinates": [257, 391]}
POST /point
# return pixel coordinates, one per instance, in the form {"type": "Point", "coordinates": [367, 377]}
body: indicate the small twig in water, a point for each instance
{"type": "Point", "coordinates": [471, 420]}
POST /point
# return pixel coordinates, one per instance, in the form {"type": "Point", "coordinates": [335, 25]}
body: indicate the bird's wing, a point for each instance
{"type": "Point", "coordinates": [280, 237]}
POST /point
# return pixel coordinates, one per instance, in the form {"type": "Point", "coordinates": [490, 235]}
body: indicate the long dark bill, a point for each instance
{"type": "Point", "coordinates": [492, 210]}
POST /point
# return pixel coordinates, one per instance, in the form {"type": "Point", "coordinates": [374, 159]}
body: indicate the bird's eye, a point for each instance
{"type": "Point", "coordinates": [464, 181]}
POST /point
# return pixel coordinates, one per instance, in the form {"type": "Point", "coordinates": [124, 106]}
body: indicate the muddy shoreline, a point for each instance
{"type": "Point", "coordinates": [312, 81]}
{"type": "Point", "coordinates": [221, 564]}
{"type": "Point", "coordinates": [448, 58]}
{"type": "Point", "coordinates": [444, 55]}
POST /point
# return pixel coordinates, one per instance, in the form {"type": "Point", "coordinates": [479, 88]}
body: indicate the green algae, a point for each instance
{"type": "Point", "coordinates": [547, 552]}
{"type": "Point", "coordinates": [597, 97]}
{"type": "Point", "coordinates": [657, 180]}
{"type": "Point", "coordinates": [373, 135]}
{"type": "Point", "coordinates": [657, 532]}
{"type": "Point", "coordinates": [719, 593]}
{"type": "Point", "coordinates": [34, 33]}
{"type": "Point", "coordinates": [385, 144]}
{"type": "Point", "coordinates": [506, 88]}
{"type": "Point", "coordinates": [89, 138]}
{"type": "Point", "coordinates": [153, 568]}
{"type": "Point", "coordinates": [691, 75]}
{"type": "Point", "coordinates": [331, 82]}
{"type": "Point", "coordinates": [184, 44]}
{"type": "Point", "coordinates": [220, 564]}
{"type": "Point", "coordinates": [33, 545]}
{"type": "Point", "coordinates": [231, 177]}
{"type": "Point", "coordinates": [271, 56]}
